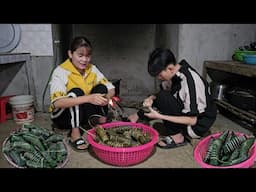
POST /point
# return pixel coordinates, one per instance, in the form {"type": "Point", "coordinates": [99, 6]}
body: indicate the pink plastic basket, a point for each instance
{"type": "Point", "coordinates": [124, 156]}
{"type": "Point", "coordinates": [202, 146]}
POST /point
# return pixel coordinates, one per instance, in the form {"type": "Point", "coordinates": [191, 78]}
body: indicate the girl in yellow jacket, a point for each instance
{"type": "Point", "coordinates": [78, 91]}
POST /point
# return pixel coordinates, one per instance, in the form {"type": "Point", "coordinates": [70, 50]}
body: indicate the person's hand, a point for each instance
{"type": "Point", "coordinates": [148, 101]}
{"type": "Point", "coordinates": [107, 96]}
{"type": "Point", "coordinates": [98, 99]}
{"type": "Point", "coordinates": [153, 114]}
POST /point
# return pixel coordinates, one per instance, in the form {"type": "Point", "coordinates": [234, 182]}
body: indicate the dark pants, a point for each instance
{"type": "Point", "coordinates": [78, 115]}
{"type": "Point", "coordinates": [167, 104]}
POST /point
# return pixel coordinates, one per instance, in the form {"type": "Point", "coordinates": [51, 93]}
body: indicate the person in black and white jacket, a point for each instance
{"type": "Point", "coordinates": [183, 103]}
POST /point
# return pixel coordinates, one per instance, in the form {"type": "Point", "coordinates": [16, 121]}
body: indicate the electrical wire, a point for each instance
{"type": "Point", "coordinates": [49, 78]}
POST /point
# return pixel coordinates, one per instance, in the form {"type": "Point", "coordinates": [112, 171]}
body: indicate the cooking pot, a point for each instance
{"type": "Point", "coordinates": [218, 90]}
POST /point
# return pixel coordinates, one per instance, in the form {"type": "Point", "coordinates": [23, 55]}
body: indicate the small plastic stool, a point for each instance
{"type": "Point", "coordinates": [3, 113]}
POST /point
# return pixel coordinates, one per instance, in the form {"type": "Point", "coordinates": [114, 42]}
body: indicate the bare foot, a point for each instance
{"type": "Point", "coordinates": [133, 117]}
{"type": "Point", "coordinates": [102, 119]}
{"type": "Point", "coordinates": [95, 120]}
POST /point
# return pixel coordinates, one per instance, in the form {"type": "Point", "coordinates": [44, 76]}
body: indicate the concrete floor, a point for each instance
{"type": "Point", "coordinates": [181, 157]}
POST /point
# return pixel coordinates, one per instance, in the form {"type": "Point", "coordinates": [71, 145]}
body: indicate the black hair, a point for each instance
{"type": "Point", "coordinates": [159, 59]}
{"type": "Point", "coordinates": [80, 41]}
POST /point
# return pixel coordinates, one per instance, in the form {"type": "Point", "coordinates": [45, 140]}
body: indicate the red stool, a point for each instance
{"type": "Point", "coordinates": [3, 113]}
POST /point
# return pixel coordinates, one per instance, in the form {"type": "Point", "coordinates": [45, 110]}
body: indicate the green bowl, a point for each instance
{"type": "Point", "coordinates": [239, 55]}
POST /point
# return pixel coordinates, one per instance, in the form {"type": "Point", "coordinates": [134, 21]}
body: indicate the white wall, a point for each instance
{"type": "Point", "coordinates": [36, 39]}
{"type": "Point", "coordinates": [200, 42]}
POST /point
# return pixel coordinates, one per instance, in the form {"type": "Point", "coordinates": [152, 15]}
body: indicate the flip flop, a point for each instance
{"type": "Point", "coordinates": [170, 143]}
{"type": "Point", "coordinates": [78, 142]}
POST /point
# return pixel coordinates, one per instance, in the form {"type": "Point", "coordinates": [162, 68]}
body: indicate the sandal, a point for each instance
{"type": "Point", "coordinates": [78, 142]}
{"type": "Point", "coordinates": [170, 143]}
